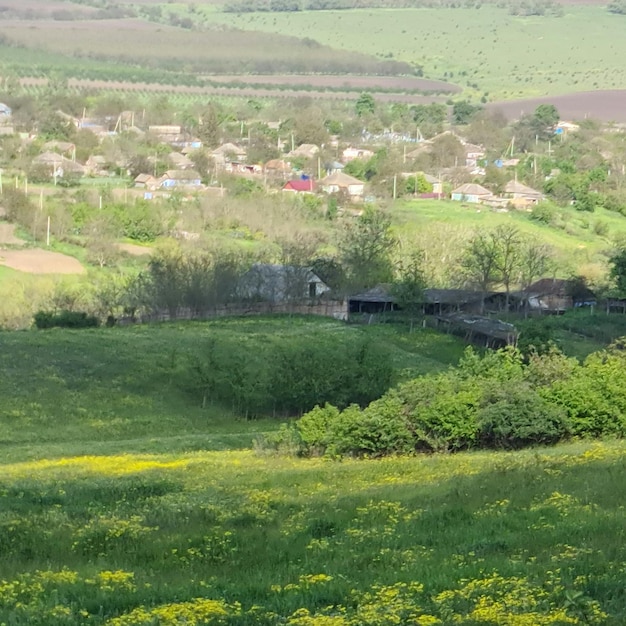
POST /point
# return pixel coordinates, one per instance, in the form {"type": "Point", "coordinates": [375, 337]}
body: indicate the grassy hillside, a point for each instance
{"type": "Point", "coordinates": [483, 50]}
{"type": "Point", "coordinates": [123, 503]}
{"type": "Point", "coordinates": [581, 241]}
{"type": "Point", "coordinates": [97, 387]}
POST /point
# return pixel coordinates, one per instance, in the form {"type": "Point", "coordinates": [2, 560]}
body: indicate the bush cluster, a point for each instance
{"type": "Point", "coordinates": [500, 400]}
{"type": "Point", "coordinates": [65, 319]}
{"type": "Point", "coordinates": [289, 376]}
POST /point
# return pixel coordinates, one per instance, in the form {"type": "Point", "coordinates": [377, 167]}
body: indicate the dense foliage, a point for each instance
{"type": "Point", "coordinates": [499, 400]}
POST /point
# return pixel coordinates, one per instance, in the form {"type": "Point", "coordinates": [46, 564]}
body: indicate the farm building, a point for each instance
{"type": "Point", "coordinates": [96, 165]}
{"type": "Point", "coordinates": [479, 330]}
{"type": "Point", "coordinates": [556, 295]}
{"type": "Point", "coordinates": [300, 185]}
{"type": "Point", "coordinates": [350, 154]}
{"type": "Point", "coordinates": [375, 300]}
{"type": "Point", "coordinates": [521, 196]}
{"type": "Point", "coordinates": [281, 283]}
{"type": "Point", "coordinates": [472, 193]}
{"type": "Point", "coordinates": [443, 301]}
{"type": "Point", "coordinates": [343, 182]}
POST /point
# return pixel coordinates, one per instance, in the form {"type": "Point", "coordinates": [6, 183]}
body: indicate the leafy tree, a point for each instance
{"type": "Point", "coordinates": [365, 249]}
{"type": "Point", "coordinates": [479, 263]}
{"type": "Point", "coordinates": [408, 287]}
{"type": "Point", "coordinates": [463, 111]}
{"type": "Point", "coordinates": [547, 116]}
{"type": "Point", "coordinates": [365, 105]}
{"type": "Point", "coordinates": [508, 244]}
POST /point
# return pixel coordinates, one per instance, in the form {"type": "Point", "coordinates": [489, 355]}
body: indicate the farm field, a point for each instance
{"type": "Point", "coordinates": [143, 44]}
{"type": "Point", "coordinates": [37, 261]}
{"type": "Point", "coordinates": [483, 50]}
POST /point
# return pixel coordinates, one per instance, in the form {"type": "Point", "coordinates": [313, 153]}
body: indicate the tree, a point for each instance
{"type": "Point", "coordinates": [408, 287]}
{"type": "Point", "coordinates": [365, 105]}
{"type": "Point", "coordinates": [463, 111]}
{"type": "Point", "coordinates": [508, 244]}
{"type": "Point", "coordinates": [536, 260]}
{"type": "Point", "coordinates": [479, 263]}
{"type": "Point", "coordinates": [209, 127]}
{"type": "Point", "coordinates": [546, 116]}
{"type": "Point", "coordinates": [618, 270]}
{"type": "Point", "coordinates": [365, 249]}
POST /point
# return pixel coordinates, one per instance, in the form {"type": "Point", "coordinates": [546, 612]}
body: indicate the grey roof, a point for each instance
{"type": "Point", "coordinates": [452, 296]}
{"type": "Point", "coordinates": [482, 325]}
{"type": "Point", "coordinates": [380, 293]}
{"type": "Point", "coordinates": [277, 283]}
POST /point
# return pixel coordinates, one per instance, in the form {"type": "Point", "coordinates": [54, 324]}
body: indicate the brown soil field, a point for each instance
{"type": "Point", "coordinates": [608, 106]}
{"type": "Point", "coordinates": [7, 236]}
{"type": "Point", "coordinates": [36, 9]}
{"type": "Point", "coordinates": [37, 261]}
{"type": "Point", "coordinates": [132, 249]}
{"type": "Point", "coordinates": [390, 83]}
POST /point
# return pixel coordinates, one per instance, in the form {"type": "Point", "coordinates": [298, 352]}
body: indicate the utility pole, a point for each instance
{"type": "Point", "coordinates": [395, 185]}
{"type": "Point", "coordinates": [48, 233]}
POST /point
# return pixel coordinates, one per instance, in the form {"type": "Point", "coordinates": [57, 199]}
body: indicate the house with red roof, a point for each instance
{"type": "Point", "coordinates": [299, 185]}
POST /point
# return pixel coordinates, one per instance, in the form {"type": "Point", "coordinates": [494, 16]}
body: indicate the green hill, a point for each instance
{"type": "Point", "coordinates": [123, 502]}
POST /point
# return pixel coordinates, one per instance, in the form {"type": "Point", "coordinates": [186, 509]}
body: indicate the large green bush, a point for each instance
{"type": "Point", "coordinates": [499, 400]}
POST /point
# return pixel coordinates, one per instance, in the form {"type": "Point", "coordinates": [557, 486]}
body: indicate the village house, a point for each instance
{"type": "Point", "coordinates": [146, 181]}
{"type": "Point", "coordinates": [179, 161]}
{"type": "Point", "coordinates": [281, 283]}
{"type": "Point", "coordinates": [300, 185]}
{"type": "Point", "coordinates": [96, 165]}
{"type": "Point", "coordinates": [334, 168]}
{"type": "Point", "coordinates": [472, 193]}
{"type": "Point", "coordinates": [521, 196]}
{"type": "Point", "coordinates": [227, 153]}
{"type": "Point", "coordinates": [62, 147]}
{"type": "Point", "coordinates": [341, 182]}
{"type": "Point", "coordinates": [58, 165]}
{"type": "Point", "coordinates": [555, 295]}
{"type": "Point", "coordinates": [5, 113]}
{"type": "Point", "coordinates": [180, 179]}
{"type": "Point", "coordinates": [305, 151]}
{"type": "Point", "coordinates": [278, 168]}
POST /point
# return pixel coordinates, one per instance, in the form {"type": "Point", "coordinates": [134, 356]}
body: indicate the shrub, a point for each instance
{"type": "Point", "coordinates": [65, 319]}
{"type": "Point", "coordinates": [516, 417]}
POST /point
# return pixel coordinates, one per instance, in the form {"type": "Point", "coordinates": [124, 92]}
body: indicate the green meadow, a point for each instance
{"type": "Point", "coordinates": [484, 50]}
{"type": "Point", "coordinates": [581, 242]}
{"type": "Point", "coordinates": [123, 502]}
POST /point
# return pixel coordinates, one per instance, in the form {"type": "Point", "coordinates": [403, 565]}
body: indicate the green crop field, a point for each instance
{"type": "Point", "coordinates": [484, 50]}
{"type": "Point", "coordinates": [122, 503]}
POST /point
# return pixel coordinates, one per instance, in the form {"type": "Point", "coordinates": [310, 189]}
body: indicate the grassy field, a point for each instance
{"type": "Point", "coordinates": [230, 537]}
{"type": "Point", "coordinates": [125, 383]}
{"type": "Point", "coordinates": [123, 503]}
{"type": "Point", "coordinates": [507, 57]}
{"type": "Point", "coordinates": [442, 228]}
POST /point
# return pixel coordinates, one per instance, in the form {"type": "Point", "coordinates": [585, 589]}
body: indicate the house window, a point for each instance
{"type": "Point", "coordinates": [312, 290]}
